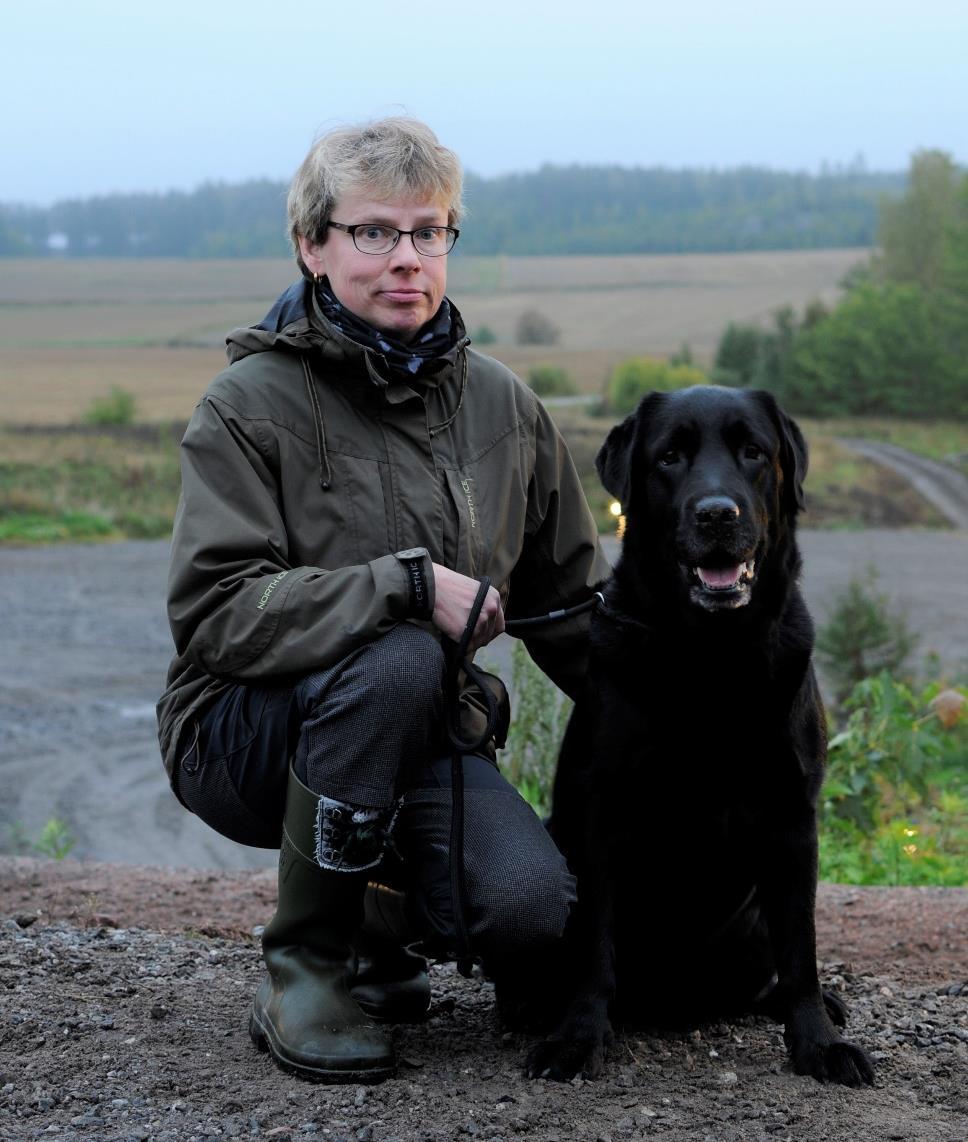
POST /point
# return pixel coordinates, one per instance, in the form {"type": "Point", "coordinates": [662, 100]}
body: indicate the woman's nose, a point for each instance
{"type": "Point", "coordinates": [404, 253]}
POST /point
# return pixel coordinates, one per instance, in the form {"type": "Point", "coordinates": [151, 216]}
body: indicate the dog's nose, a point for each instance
{"type": "Point", "coordinates": [717, 509]}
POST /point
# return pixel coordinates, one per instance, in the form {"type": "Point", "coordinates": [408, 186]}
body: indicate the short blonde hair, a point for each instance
{"type": "Point", "coordinates": [391, 158]}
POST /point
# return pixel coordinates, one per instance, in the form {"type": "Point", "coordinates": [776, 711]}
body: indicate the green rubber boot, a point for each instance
{"type": "Point", "coordinates": [303, 1013]}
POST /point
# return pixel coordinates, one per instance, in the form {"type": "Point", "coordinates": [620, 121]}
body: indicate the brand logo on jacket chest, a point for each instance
{"type": "Point", "coordinates": [469, 496]}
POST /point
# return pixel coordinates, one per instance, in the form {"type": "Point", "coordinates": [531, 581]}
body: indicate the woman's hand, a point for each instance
{"type": "Point", "coordinates": [454, 597]}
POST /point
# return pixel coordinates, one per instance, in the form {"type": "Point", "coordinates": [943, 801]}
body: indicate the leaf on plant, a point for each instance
{"type": "Point", "coordinates": [948, 705]}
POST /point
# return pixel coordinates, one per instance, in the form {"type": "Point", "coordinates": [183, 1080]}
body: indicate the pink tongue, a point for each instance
{"type": "Point", "coordinates": [719, 576]}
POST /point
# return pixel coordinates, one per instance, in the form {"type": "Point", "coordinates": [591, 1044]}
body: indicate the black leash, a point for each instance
{"type": "Point", "coordinates": [457, 660]}
{"type": "Point", "coordinates": [597, 600]}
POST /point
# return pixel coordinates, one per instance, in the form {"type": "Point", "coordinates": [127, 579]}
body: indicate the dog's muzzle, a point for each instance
{"type": "Point", "coordinates": [722, 587]}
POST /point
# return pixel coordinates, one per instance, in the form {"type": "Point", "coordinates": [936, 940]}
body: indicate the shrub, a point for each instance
{"type": "Point", "coordinates": [484, 335]}
{"type": "Point", "coordinates": [533, 328]}
{"type": "Point", "coordinates": [551, 381]}
{"type": "Point", "coordinates": [56, 839]}
{"type": "Point", "coordinates": [878, 353]}
{"type": "Point", "coordinates": [862, 636]}
{"type": "Point", "coordinates": [117, 408]}
{"type": "Point", "coordinates": [895, 798]}
{"type": "Point", "coordinates": [632, 379]}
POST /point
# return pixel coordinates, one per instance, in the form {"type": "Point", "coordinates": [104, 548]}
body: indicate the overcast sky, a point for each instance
{"type": "Point", "coordinates": [100, 96]}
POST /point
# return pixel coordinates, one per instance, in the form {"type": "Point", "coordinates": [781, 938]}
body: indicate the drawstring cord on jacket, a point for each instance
{"type": "Point", "coordinates": [325, 471]}
{"type": "Point", "coordinates": [457, 660]}
{"type": "Point", "coordinates": [436, 429]}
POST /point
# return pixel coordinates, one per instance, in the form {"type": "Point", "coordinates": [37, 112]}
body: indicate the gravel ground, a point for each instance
{"type": "Point", "coordinates": [124, 1033]}
{"type": "Point", "coordinates": [110, 1030]}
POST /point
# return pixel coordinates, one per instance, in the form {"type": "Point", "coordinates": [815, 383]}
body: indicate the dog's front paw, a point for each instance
{"type": "Point", "coordinates": [836, 1061]}
{"type": "Point", "coordinates": [576, 1049]}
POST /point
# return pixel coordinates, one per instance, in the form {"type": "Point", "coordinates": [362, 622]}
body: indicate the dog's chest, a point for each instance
{"type": "Point", "coordinates": [699, 738]}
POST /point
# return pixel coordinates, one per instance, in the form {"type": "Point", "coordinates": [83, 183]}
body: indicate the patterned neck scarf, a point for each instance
{"type": "Point", "coordinates": [421, 355]}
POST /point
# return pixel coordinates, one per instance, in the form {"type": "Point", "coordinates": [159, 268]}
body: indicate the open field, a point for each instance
{"type": "Point", "coordinates": [70, 330]}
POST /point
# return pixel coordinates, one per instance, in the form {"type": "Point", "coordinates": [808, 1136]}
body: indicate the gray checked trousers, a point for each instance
{"type": "Point", "coordinates": [368, 732]}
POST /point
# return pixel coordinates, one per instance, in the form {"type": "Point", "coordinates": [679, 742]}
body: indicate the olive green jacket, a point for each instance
{"type": "Point", "coordinates": [306, 467]}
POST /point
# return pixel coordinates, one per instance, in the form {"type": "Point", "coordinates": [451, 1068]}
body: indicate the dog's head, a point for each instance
{"type": "Point", "coordinates": [710, 481]}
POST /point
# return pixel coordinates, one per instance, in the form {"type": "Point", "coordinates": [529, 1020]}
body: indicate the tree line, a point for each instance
{"type": "Point", "coordinates": [554, 210]}
{"type": "Point", "coordinates": [897, 343]}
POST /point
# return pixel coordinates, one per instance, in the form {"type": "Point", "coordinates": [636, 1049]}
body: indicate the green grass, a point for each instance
{"type": "Point", "coordinates": [88, 483]}
{"type": "Point", "coordinates": [31, 527]}
{"type": "Point", "coordinates": [76, 485]}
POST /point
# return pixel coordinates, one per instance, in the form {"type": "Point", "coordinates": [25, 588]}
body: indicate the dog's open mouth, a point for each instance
{"type": "Point", "coordinates": [726, 586]}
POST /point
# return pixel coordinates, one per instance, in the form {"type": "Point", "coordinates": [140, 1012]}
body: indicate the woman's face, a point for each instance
{"type": "Point", "coordinates": [397, 292]}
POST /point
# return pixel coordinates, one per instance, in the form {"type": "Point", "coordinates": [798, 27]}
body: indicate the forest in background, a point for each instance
{"type": "Point", "coordinates": [897, 343]}
{"type": "Point", "coordinates": [554, 210]}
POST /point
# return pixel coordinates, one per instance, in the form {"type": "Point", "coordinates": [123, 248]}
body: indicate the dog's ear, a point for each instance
{"type": "Point", "coordinates": [793, 452]}
{"type": "Point", "coordinates": [616, 455]}
{"type": "Point", "coordinates": [614, 459]}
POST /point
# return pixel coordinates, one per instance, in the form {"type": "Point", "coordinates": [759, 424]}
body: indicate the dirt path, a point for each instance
{"type": "Point", "coordinates": [940, 484]}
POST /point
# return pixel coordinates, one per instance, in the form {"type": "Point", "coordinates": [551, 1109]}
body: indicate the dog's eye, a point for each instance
{"type": "Point", "coordinates": [667, 459]}
{"type": "Point", "coordinates": [752, 452]}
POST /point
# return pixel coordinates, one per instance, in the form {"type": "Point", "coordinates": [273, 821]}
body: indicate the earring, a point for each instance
{"type": "Point", "coordinates": [316, 279]}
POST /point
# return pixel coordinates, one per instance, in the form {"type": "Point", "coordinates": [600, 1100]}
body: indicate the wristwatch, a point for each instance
{"type": "Point", "coordinates": [421, 598]}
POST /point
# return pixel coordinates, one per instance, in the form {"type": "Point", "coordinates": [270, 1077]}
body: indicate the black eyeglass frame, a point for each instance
{"type": "Point", "coordinates": [351, 230]}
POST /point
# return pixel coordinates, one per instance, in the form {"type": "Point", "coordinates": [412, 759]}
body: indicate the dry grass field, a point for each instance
{"type": "Point", "coordinates": [71, 330]}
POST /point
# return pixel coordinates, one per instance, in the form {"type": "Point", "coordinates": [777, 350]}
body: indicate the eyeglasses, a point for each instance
{"type": "Point", "coordinates": [375, 238]}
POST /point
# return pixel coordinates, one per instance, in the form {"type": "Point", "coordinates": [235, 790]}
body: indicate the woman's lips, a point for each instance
{"type": "Point", "coordinates": [402, 295]}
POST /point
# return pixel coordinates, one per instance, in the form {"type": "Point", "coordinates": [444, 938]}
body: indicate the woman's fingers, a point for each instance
{"type": "Point", "coordinates": [454, 598]}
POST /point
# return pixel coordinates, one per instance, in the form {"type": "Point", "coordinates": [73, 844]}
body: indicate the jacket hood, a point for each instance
{"type": "Point", "coordinates": [296, 325]}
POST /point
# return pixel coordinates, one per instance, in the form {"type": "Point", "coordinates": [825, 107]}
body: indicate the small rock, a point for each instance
{"type": "Point", "coordinates": [729, 1078]}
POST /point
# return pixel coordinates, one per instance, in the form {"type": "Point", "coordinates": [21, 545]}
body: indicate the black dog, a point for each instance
{"type": "Point", "coordinates": [685, 800]}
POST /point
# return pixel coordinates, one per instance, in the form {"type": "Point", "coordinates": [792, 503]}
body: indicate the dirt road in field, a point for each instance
{"type": "Point", "coordinates": [85, 648]}
{"type": "Point", "coordinates": [941, 484]}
